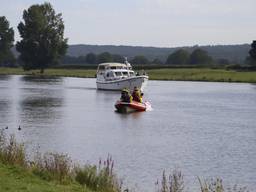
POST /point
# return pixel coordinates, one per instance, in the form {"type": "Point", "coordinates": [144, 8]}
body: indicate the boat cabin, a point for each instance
{"type": "Point", "coordinates": [114, 71]}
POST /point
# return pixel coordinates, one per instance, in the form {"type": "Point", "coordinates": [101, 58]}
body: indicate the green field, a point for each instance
{"type": "Point", "coordinates": [13, 178]}
{"type": "Point", "coordinates": [178, 74]}
{"type": "Point", "coordinates": [50, 72]}
{"type": "Point", "coordinates": [214, 75]}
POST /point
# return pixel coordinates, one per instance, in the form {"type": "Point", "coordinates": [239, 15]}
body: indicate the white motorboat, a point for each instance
{"type": "Point", "coordinates": [117, 76]}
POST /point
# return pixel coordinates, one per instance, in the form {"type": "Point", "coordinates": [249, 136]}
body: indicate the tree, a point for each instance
{"type": "Point", "coordinates": [252, 53]}
{"type": "Point", "coordinates": [91, 58]}
{"type": "Point", "coordinates": [179, 57]}
{"type": "Point", "coordinates": [6, 42]}
{"type": "Point", "coordinates": [199, 56]}
{"type": "Point", "coordinates": [105, 57]}
{"type": "Point", "coordinates": [42, 33]}
{"type": "Point", "coordinates": [140, 60]}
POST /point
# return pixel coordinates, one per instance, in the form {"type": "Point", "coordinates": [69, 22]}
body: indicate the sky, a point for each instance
{"type": "Point", "coordinates": [157, 23]}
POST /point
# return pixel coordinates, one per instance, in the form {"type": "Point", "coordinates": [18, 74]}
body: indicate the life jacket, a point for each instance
{"type": "Point", "coordinates": [137, 96]}
{"type": "Point", "coordinates": [126, 96]}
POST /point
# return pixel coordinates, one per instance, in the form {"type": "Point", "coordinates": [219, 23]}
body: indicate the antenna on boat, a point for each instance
{"type": "Point", "coordinates": [128, 65]}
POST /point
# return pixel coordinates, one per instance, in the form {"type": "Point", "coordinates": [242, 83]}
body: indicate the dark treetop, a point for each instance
{"type": "Point", "coordinates": [252, 53]}
{"type": "Point", "coordinates": [6, 42]}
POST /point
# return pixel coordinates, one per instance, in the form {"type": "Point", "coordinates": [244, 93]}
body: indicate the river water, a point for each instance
{"type": "Point", "coordinates": [203, 129]}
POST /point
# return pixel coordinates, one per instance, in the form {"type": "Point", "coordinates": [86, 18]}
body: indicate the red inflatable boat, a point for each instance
{"type": "Point", "coordinates": [124, 107]}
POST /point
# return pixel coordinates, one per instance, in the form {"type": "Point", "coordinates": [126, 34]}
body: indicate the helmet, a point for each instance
{"type": "Point", "coordinates": [125, 90]}
{"type": "Point", "coordinates": [136, 89]}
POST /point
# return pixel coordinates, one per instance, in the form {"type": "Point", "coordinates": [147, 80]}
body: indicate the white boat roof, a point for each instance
{"type": "Point", "coordinates": [113, 64]}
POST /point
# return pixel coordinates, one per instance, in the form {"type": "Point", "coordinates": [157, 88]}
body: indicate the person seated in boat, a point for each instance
{"type": "Point", "coordinates": [126, 96]}
{"type": "Point", "coordinates": [137, 95]}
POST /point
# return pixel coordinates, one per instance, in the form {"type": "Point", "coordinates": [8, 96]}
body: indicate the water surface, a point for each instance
{"type": "Point", "coordinates": [203, 129]}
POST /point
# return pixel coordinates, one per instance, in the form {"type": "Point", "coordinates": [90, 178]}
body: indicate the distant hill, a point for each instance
{"type": "Point", "coordinates": [234, 53]}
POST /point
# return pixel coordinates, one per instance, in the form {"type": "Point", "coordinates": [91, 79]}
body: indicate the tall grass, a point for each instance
{"type": "Point", "coordinates": [101, 178]}
{"type": "Point", "coordinates": [174, 182]}
{"type": "Point", "coordinates": [171, 183]}
{"type": "Point", "coordinates": [11, 152]}
{"type": "Point", "coordinates": [52, 166]}
{"type": "Point", "coordinates": [216, 185]}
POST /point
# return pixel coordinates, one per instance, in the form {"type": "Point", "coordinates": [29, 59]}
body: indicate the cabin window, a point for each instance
{"type": "Point", "coordinates": [118, 73]}
{"type": "Point", "coordinates": [112, 67]}
{"type": "Point", "coordinates": [131, 73]}
{"type": "Point", "coordinates": [101, 67]}
{"type": "Point", "coordinates": [110, 74]}
{"type": "Point", "coordinates": [125, 73]}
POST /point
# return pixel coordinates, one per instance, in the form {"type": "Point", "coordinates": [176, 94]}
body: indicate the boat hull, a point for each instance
{"type": "Point", "coordinates": [124, 107]}
{"type": "Point", "coordinates": [129, 83]}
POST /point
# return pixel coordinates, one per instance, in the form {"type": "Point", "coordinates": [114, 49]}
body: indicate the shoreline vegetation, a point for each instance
{"type": "Point", "coordinates": [169, 74]}
{"type": "Point", "coordinates": [57, 173]}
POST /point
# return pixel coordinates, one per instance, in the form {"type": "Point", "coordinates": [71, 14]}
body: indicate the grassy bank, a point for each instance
{"type": "Point", "coordinates": [86, 73]}
{"type": "Point", "coordinates": [214, 75]}
{"type": "Point", "coordinates": [178, 74]}
{"type": "Point", "coordinates": [15, 178]}
{"type": "Point", "coordinates": [51, 171]}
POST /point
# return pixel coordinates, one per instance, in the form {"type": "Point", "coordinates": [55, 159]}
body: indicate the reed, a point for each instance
{"type": "Point", "coordinates": [101, 178]}
{"type": "Point", "coordinates": [216, 185]}
{"type": "Point", "coordinates": [11, 152]}
{"type": "Point", "coordinates": [171, 183]}
{"type": "Point", "coordinates": [52, 166]}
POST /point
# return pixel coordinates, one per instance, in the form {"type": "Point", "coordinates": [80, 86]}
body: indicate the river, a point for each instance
{"type": "Point", "coordinates": [201, 128]}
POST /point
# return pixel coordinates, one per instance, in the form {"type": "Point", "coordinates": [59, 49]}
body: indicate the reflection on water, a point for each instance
{"type": "Point", "coordinates": [5, 77]}
{"type": "Point", "coordinates": [40, 99]}
{"type": "Point", "coordinates": [205, 129]}
{"type": "Point", "coordinates": [42, 109]}
{"type": "Point", "coordinates": [41, 79]}
{"type": "Point", "coordinates": [4, 110]}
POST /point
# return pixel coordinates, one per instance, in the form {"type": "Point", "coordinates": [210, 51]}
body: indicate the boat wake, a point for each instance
{"type": "Point", "coordinates": [148, 106]}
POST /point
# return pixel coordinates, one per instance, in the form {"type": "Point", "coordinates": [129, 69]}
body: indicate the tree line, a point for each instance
{"type": "Point", "coordinates": [43, 45]}
{"type": "Point", "coordinates": [179, 57]}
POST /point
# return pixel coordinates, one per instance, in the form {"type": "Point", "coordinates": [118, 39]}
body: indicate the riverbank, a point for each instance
{"type": "Point", "coordinates": [202, 74]}
{"type": "Point", "coordinates": [175, 74]}
{"type": "Point", "coordinates": [51, 171]}
{"type": "Point", "coordinates": [17, 174]}
{"type": "Point", "coordinates": [15, 178]}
